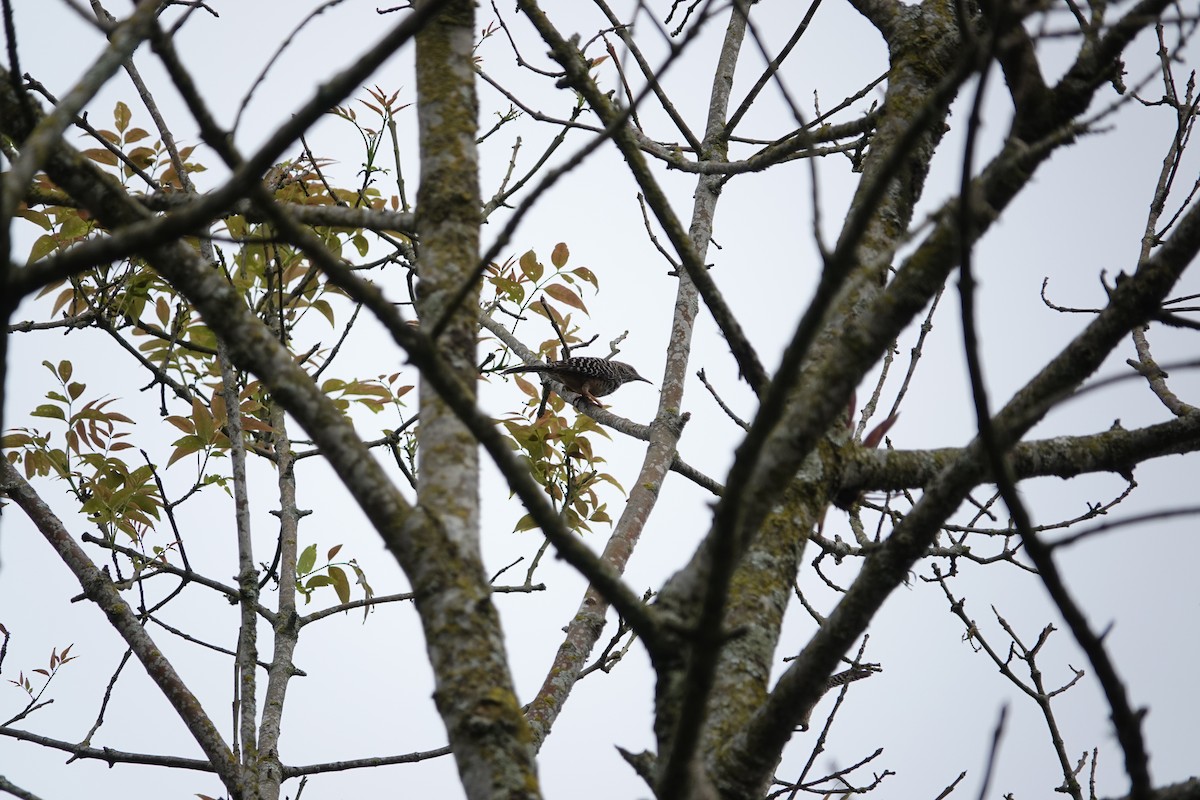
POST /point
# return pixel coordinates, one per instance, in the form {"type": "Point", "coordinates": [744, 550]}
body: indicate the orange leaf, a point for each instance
{"type": "Point", "coordinates": [100, 155]}
{"type": "Point", "coordinates": [121, 116]}
{"type": "Point", "coordinates": [564, 295]}
{"type": "Point", "coordinates": [560, 254]}
{"type": "Point", "coordinates": [873, 438]}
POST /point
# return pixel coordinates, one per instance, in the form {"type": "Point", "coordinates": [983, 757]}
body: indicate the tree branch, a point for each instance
{"type": "Point", "coordinates": [101, 591]}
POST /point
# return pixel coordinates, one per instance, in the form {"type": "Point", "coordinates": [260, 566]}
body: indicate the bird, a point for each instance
{"type": "Point", "coordinates": [586, 376]}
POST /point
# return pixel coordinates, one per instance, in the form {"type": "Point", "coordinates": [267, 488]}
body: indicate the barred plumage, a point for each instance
{"type": "Point", "coordinates": [589, 377]}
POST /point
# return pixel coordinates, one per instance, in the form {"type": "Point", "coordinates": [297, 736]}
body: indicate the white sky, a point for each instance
{"type": "Point", "coordinates": [367, 692]}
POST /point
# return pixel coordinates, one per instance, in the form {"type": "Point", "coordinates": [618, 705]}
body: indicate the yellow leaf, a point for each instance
{"type": "Point", "coordinates": [341, 583]}
{"type": "Point", "coordinates": [73, 227]}
{"type": "Point", "coordinates": [587, 275]}
{"type": "Point", "coordinates": [325, 310]}
{"type": "Point", "coordinates": [36, 217]}
{"type": "Point", "coordinates": [44, 245]}
{"type": "Point", "coordinates": [142, 156]}
{"type": "Point", "coordinates": [121, 116]}
{"type": "Point", "coordinates": [205, 425]}
{"type": "Point", "coordinates": [530, 266]}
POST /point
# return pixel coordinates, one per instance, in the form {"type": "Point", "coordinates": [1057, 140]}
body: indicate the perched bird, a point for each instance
{"type": "Point", "coordinates": [588, 377]}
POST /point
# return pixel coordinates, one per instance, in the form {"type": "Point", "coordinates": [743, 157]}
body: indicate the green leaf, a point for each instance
{"type": "Point", "coordinates": [374, 389]}
{"type": "Point", "coordinates": [604, 476]}
{"type": "Point", "coordinates": [511, 290]}
{"type": "Point", "coordinates": [141, 156]}
{"type": "Point", "coordinates": [184, 447]}
{"type": "Point", "coordinates": [49, 411]}
{"type": "Point", "coordinates": [74, 227]}
{"type": "Point", "coordinates": [307, 560]}
{"type": "Point", "coordinates": [530, 266]}
{"type": "Point", "coordinates": [575, 522]}
{"type": "Point", "coordinates": [42, 247]}
{"type": "Point", "coordinates": [205, 425]}
{"type": "Point", "coordinates": [317, 581]}
{"type": "Point", "coordinates": [142, 475]}
{"type": "Point", "coordinates": [236, 225]}
{"type": "Point", "coordinates": [15, 440]}
{"type": "Point", "coordinates": [525, 523]}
